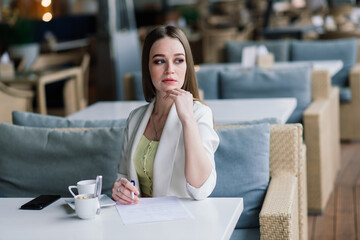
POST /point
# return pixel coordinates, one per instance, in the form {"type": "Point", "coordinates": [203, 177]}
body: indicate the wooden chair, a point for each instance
{"type": "Point", "coordinates": [77, 77]}
{"type": "Point", "coordinates": [13, 99]}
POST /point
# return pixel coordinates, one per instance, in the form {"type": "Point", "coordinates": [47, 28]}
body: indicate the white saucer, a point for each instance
{"type": "Point", "coordinates": [105, 201]}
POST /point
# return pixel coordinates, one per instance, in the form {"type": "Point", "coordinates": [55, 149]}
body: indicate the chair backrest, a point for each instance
{"type": "Point", "coordinates": [279, 48]}
{"type": "Point", "coordinates": [52, 60]}
{"type": "Point", "coordinates": [13, 99]}
{"type": "Point", "coordinates": [338, 49]}
{"type": "Point", "coordinates": [78, 58]}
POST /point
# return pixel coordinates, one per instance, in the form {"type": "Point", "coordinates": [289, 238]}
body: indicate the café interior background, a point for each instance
{"type": "Point", "coordinates": [99, 23]}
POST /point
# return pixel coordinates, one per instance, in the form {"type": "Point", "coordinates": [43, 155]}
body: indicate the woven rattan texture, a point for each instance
{"type": "Point", "coordinates": [321, 134]}
{"type": "Point", "coordinates": [284, 148]}
{"type": "Point", "coordinates": [320, 84]}
{"type": "Point", "coordinates": [285, 201]}
{"type": "Point", "coordinates": [278, 217]}
{"type": "Point", "coordinates": [349, 111]}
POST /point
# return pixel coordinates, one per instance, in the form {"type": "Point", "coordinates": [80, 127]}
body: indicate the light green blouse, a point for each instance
{"type": "Point", "coordinates": [144, 163]}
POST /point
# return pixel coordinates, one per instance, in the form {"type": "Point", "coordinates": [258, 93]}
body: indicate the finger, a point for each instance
{"type": "Point", "coordinates": [128, 185]}
{"type": "Point", "coordinates": [119, 196]}
{"type": "Point", "coordinates": [123, 201]}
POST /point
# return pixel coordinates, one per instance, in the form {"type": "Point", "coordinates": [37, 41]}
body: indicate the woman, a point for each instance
{"type": "Point", "coordinates": [169, 144]}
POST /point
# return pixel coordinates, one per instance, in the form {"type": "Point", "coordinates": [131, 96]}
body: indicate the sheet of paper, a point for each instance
{"type": "Point", "coordinates": [153, 210]}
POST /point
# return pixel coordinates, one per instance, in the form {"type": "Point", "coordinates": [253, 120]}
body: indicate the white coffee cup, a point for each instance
{"type": "Point", "coordinates": [83, 187]}
{"type": "Point", "coordinates": [86, 205]}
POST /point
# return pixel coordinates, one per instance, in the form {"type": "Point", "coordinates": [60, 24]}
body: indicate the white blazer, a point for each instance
{"type": "Point", "coordinates": [169, 163]}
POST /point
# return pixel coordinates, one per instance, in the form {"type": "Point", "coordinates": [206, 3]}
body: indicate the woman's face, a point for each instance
{"type": "Point", "coordinates": [167, 64]}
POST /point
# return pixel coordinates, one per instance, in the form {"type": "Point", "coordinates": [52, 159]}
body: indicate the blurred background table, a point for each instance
{"type": "Point", "coordinates": [224, 110]}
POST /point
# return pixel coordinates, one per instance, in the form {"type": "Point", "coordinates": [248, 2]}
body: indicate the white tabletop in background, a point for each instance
{"type": "Point", "coordinates": [333, 66]}
{"type": "Point", "coordinates": [224, 110]}
{"type": "Point", "coordinates": [214, 218]}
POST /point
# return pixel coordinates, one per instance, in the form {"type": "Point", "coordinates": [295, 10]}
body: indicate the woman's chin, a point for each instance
{"type": "Point", "coordinates": [169, 88]}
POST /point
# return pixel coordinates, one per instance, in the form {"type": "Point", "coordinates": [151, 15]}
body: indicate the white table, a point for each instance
{"type": "Point", "coordinates": [224, 110]}
{"type": "Point", "coordinates": [214, 218]}
{"type": "Point", "coordinates": [333, 66]}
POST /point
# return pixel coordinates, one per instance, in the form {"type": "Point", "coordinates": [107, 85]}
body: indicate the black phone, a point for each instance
{"type": "Point", "coordinates": [40, 202]}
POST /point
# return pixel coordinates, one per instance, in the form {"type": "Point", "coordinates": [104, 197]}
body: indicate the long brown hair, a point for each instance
{"type": "Point", "coordinates": [190, 83]}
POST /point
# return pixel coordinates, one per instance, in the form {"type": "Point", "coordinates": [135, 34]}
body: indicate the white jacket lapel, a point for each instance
{"type": "Point", "coordinates": [165, 155]}
{"type": "Point", "coordinates": [139, 132]}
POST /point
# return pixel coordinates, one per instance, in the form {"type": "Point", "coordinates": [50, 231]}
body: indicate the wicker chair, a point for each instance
{"type": "Point", "coordinates": [349, 111]}
{"type": "Point", "coordinates": [284, 211]}
{"type": "Point", "coordinates": [322, 139]}
{"type": "Point", "coordinates": [13, 99]}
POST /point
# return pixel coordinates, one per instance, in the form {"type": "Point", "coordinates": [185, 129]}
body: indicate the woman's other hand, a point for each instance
{"type": "Point", "coordinates": [184, 103]}
{"type": "Point", "coordinates": [121, 192]}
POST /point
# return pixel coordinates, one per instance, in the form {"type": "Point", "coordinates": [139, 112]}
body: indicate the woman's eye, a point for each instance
{"type": "Point", "coordinates": [159, 61]}
{"type": "Point", "coordinates": [180, 60]}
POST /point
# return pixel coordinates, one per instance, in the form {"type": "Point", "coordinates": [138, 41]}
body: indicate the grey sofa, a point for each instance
{"type": "Point", "coordinates": [347, 80]}
{"type": "Point", "coordinates": [267, 168]}
{"type": "Point", "coordinates": [45, 154]}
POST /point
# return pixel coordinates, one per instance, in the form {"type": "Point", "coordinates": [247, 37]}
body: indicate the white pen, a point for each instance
{"type": "Point", "coordinates": [132, 192]}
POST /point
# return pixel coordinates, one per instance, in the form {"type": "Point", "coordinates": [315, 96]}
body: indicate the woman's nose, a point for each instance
{"type": "Point", "coordinates": [169, 69]}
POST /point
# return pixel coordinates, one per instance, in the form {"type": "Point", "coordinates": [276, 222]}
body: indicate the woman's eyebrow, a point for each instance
{"type": "Point", "coordinates": [163, 55]}
{"type": "Point", "coordinates": [158, 55]}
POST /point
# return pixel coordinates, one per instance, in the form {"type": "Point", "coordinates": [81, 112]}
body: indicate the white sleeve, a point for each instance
{"type": "Point", "coordinates": [210, 140]}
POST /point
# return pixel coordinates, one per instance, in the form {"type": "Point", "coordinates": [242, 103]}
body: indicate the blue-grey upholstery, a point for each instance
{"type": "Point", "coordinates": [30, 119]}
{"type": "Point", "coordinates": [246, 234]}
{"type": "Point", "coordinates": [345, 94]}
{"type": "Point", "coordinates": [38, 161]}
{"type": "Point", "coordinates": [291, 81]}
{"type": "Point", "coordinates": [208, 81]}
{"type": "Point", "coordinates": [252, 122]}
{"type": "Point", "coordinates": [243, 171]}
{"type": "Point", "coordinates": [280, 49]}
{"type": "Point", "coordinates": [300, 50]}
{"type": "Point", "coordinates": [343, 49]}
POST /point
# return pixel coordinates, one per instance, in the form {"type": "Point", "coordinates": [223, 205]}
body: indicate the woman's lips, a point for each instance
{"type": "Point", "coordinates": [169, 80]}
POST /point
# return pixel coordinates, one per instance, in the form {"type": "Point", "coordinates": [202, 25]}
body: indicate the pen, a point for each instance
{"type": "Point", "coordinates": [132, 192]}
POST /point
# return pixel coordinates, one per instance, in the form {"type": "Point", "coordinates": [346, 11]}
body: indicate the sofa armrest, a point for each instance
{"type": "Point", "coordinates": [321, 135]}
{"type": "Point", "coordinates": [320, 84]}
{"type": "Point", "coordinates": [354, 82]}
{"type": "Point", "coordinates": [279, 214]}
{"type": "Point", "coordinates": [318, 106]}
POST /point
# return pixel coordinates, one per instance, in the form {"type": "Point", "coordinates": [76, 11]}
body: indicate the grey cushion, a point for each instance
{"type": "Point", "coordinates": [242, 166]}
{"type": "Point", "coordinates": [37, 161]}
{"type": "Point", "coordinates": [208, 81]}
{"type": "Point", "coordinates": [246, 234]}
{"type": "Point", "coordinates": [343, 49]}
{"type": "Point", "coordinates": [38, 120]}
{"type": "Point", "coordinates": [280, 49]}
{"type": "Point", "coordinates": [137, 84]}
{"type": "Point", "coordinates": [259, 121]}
{"type": "Point", "coordinates": [345, 94]}
{"type": "Point", "coordinates": [277, 82]}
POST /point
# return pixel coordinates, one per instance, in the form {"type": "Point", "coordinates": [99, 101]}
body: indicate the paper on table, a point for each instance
{"type": "Point", "coordinates": [153, 210]}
